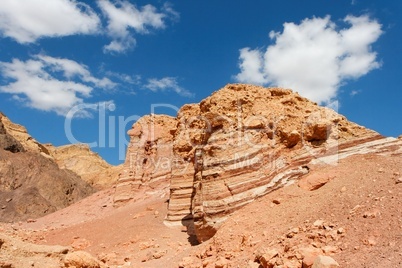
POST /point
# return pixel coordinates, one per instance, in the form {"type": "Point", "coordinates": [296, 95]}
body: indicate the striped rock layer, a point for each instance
{"type": "Point", "coordinates": [240, 143]}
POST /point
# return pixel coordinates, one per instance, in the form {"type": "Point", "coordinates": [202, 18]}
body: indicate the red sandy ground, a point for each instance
{"type": "Point", "coordinates": [363, 200]}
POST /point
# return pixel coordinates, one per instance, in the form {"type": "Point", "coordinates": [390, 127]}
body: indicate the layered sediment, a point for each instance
{"type": "Point", "coordinates": [240, 143]}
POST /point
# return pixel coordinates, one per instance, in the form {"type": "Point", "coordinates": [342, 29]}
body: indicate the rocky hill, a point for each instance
{"type": "Point", "coordinates": [31, 183]}
{"type": "Point", "coordinates": [78, 158]}
{"type": "Point", "coordinates": [240, 143]}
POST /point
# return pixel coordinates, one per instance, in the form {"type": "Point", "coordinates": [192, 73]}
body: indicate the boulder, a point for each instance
{"type": "Point", "coordinates": [325, 262]}
{"type": "Point", "coordinates": [81, 259]}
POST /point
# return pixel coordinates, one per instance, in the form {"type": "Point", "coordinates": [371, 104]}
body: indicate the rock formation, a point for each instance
{"type": "Point", "coordinates": [21, 134]}
{"type": "Point", "coordinates": [31, 184]}
{"type": "Point", "coordinates": [76, 157]}
{"type": "Point", "coordinates": [80, 159]}
{"type": "Point", "coordinates": [240, 143]}
{"type": "Point", "coordinates": [149, 156]}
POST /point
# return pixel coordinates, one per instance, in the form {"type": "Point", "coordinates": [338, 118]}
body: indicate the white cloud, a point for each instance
{"type": "Point", "coordinates": [127, 79]}
{"type": "Point", "coordinates": [167, 83]}
{"type": "Point", "coordinates": [50, 84]}
{"type": "Point", "coordinates": [123, 16]}
{"type": "Point", "coordinates": [28, 20]}
{"type": "Point", "coordinates": [314, 57]}
{"type": "Point", "coordinates": [354, 93]}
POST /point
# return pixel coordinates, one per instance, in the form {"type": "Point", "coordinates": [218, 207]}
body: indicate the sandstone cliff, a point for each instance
{"type": "Point", "coordinates": [240, 143]}
{"type": "Point", "coordinates": [149, 156]}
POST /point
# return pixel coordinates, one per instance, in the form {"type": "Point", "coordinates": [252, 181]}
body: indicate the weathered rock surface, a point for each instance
{"type": "Point", "coordinates": [325, 262]}
{"type": "Point", "coordinates": [240, 143]}
{"type": "Point", "coordinates": [7, 141]}
{"type": "Point", "coordinates": [76, 157]}
{"type": "Point", "coordinates": [31, 183]}
{"type": "Point", "coordinates": [80, 159]}
{"type": "Point", "coordinates": [21, 134]}
{"type": "Point", "coordinates": [149, 156]}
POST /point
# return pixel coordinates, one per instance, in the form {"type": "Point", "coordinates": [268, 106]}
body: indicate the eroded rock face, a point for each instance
{"type": "Point", "coordinates": [31, 183]}
{"type": "Point", "coordinates": [240, 143]}
{"type": "Point", "coordinates": [8, 142]}
{"type": "Point", "coordinates": [21, 134]}
{"type": "Point", "coordinates": [149, 156]}
{"type": "Point", "coordinates": [32, 186]}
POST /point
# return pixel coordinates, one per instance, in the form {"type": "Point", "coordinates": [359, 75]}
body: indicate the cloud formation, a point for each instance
{"type": "Point", "coordinates": [124, 17]}
{"type": "Point", "coordinates": [26, 21]}
{"type": "Point", "coordinates": [29, 20]}
{"type": "Point", "coordinates": [165, 84]}
{"type": "Point", "coordinates": [314, 57]}
{"type": "Point", "coordinates": [50, 84]}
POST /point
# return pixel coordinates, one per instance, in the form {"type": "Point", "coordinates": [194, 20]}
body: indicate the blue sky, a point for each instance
{"type": "Point", "coordinates": [84, 71]}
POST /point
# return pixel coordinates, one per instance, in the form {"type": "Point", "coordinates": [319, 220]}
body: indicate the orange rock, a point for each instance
{"type": "Point", "coordinates": [314, 181]}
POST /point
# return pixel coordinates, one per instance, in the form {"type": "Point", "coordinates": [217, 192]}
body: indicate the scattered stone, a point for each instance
{"type": "Point", "coordinates": [222, 263]}
{"type": "Point", "coordinates": [145, 245]}
{"type": "Point", "coordinates": [187, 262]}
{"type": "Point", "coordinates": [370, 241]}
{"type": "Point", "coordinates": [292, 232]}
{"type": "Point", "coordinates": [340, 230]}
{"type": "Point", "coordinates": [251, 264]}
{"type": "Point", "coordinates": [343, 189]}
{"type": "Point", "coordinates": [276, 201]}
{"type": "Point", "coordinates": [138, 215]}
{"type": "Point", "coordinates": [159, 254]}
{"type": "Point", "coordinates": [330, 249]}
{"type": "Point", "coordinates": [265, 256]}
{"type": "Point", "coordinates": [31, 220]}
{"type": "Point", "coordinates": [81, 259]}
{"type": "Point", "coordinates": [8, 200]}
{"type": "Point", "coordinates": [318, 223]}
{"type": "Point", "coordinates": [371, 214]}
{"type": "Point", "coordinates": [107, 257]}
{"type": "Point", "coordinates": [325, 262]}
{"type": "Point", "coordinates": [398, 180]}
{"type": "Point", "coordinates": [80, 244]}
{"type": "Point", "coordinates": [381, 170]}
{"type": "Point", "coordinates": [314, 181]}
{"type": "Point", "coordinates": [309, 255]}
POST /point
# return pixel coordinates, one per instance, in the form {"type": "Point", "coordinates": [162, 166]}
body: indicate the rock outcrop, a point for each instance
{"type": "Point", "coordinates": [149, 156]}
{"type": "Point", "coordinates": [21, 134]}
{"type": "Point", "coordinates": [7, 141]}
{"type": "Point", "coordinates": [32, 186]}
{"type": "Point", "coordinates": [240, 143]}
{"type": "Point", "coordinates": [78, 158]}
{"type": "Point", "coordinates": [31, 183]}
